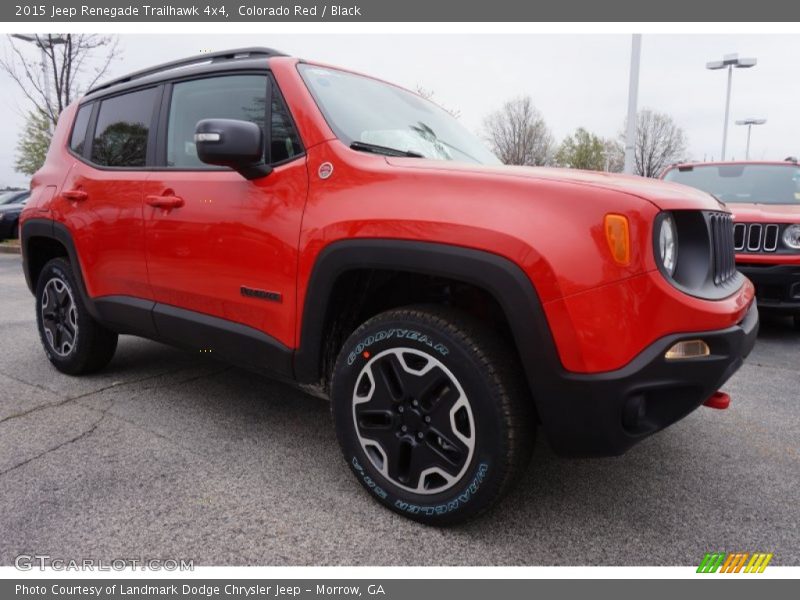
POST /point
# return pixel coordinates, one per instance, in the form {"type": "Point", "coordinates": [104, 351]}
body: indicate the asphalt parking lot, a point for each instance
{"type": "Point", "coordinates": [171, 455]}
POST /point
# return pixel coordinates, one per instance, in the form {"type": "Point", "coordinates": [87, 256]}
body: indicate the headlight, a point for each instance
{"type": "Point", "coordinates": [791, 236]}
{"type": "Point", "coordinates": [668, 244]}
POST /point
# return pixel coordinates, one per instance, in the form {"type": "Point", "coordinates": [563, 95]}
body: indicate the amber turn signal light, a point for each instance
{"type": "Point", "coordinates": [618, 238]}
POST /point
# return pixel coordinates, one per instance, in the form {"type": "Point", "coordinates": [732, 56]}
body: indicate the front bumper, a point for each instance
{"type": "Point", "coordinates": [604, 414]}
{"type": "Point", "coordinates": [777, 286]}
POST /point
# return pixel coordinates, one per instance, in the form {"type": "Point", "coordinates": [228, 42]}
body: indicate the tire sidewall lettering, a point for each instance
{"type": "Point", "coordinates": [368, 481]}
{"type": "Point", "coordinates": [398, 334]}
{"type": "Point", "coordinates": [461, 498]}
{"type": "Point", "coordinates": [443, 508]}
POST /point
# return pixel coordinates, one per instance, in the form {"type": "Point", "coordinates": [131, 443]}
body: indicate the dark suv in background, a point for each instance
{"type": "Point", "coordinates": [11, 206]}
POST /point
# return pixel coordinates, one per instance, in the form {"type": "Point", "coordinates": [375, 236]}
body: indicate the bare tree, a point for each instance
{"type": "Point", "coordinates": [659, 142]}
{"type": "Point", "coordinates": [429, 94]}
{"type": "Point", "coordinates": [63, 66]}
{"type": "Point", "coordinates": [614, 154]}
{"type": "Point", "coordinates": [518, 134]}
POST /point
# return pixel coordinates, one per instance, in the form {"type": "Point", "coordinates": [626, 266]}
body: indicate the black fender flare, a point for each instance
{"type": "Point", "coordinates": [47, 228]}
{"type": "Point", "coordinates": [503, 279]}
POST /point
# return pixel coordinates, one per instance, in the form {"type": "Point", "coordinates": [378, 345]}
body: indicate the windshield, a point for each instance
{"type": "Point", "coordinates": [757, 184]}
{"type": "Point", "coordinates": [370, 112]}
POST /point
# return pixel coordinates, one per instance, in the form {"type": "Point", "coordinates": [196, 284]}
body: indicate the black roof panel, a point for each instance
{"type": "Point", "coordinates": [208, 59]}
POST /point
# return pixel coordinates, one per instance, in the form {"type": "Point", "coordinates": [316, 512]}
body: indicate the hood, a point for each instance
{"type": "Point", "coordinates": [663, 194]}
{"type": "Point", "coordinates": [765, 213]}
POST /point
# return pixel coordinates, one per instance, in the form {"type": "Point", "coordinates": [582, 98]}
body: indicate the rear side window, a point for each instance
{"type": "Point", "coordinates": [76, 141]}
{"type": "Point", "coordinates": [123, 125]}
{"type": "Point", "coordinates": [241, 97]}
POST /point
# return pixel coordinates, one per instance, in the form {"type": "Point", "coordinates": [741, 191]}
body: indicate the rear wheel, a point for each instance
{"type": "Point", "coordinates": [72, 340]}
{"type": "Point", "coordinates": [431, 414]}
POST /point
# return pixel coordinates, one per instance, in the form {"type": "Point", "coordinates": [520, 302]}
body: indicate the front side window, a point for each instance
{"type": "Point", "coordinates": [240, 97]}
{"type": "Point", "coordinates": [732, 183]}
{"type": "Point", "coordinates": [123, 125]}
{"type": "Point", "coordinates": [371, 115]}
{"type": "Point", "coordinates": [284, 140]}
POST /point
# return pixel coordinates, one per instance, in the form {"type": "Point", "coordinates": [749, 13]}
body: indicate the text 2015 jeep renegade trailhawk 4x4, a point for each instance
{"type": "Point", "coordinates": [347, 235]}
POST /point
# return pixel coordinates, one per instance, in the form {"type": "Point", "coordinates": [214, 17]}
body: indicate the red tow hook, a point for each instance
{"type": "Point", "coordinates": [719, 400]}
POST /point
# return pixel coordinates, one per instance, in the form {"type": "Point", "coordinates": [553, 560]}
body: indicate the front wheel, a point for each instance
{"type": "Point", "coordinates": [431, 413]}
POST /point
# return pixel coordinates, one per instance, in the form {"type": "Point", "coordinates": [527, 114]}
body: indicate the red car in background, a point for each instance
{"type": "Point", "coordinates": [765, 200]}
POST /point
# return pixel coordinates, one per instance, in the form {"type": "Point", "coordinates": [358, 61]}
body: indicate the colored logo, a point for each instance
{"type": "Point", "coordinates": [325, 170]}
{"type": "Point", "coordinates": [734, 562]}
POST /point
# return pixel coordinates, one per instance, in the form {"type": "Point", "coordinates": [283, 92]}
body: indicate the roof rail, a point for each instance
{"type": "Point", "coordinates": [224, 55]}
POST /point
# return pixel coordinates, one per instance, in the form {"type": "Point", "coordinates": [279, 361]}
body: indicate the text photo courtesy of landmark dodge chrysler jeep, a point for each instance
{"type": "Point", "coordinates": [345, 234]}
{"type": "Point", "coordinates": [765, 200]}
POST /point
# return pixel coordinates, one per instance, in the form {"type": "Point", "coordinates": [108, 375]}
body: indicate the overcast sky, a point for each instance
{"type": "Point", "coordinates": [574, 80]}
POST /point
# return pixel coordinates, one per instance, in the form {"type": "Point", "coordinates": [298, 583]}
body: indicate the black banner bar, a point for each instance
{"type": "Point", "coordinates": [402, 10]}
{"type": "Point", "coordinates": [732, 587]}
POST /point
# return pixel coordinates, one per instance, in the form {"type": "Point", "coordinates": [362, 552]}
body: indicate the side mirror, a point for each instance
{"type": "Point", "coordinates": [232, 143]}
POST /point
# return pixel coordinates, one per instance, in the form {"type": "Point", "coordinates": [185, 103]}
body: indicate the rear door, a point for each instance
{"type": "Point", "coordinates": [228, 248]}
{"type": "Point", "coordinates": [101, 198]}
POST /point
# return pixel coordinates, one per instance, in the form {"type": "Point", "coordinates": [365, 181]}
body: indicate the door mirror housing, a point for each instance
{"type": "Point", "coordinates": [232, 143]}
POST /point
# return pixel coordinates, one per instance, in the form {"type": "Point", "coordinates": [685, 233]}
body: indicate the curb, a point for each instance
{"type": "Point", "coordinates": [5, 249]}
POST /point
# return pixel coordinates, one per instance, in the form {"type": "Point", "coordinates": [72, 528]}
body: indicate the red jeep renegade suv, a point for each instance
{"type": "Point", "coordinates": [765, 200]}
{"type": "Point", "coordinates": [347, 235]}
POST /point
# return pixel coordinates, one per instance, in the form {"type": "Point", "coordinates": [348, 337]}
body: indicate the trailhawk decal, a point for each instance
{"type": "Point", "coordinates": [400, 334]}
{"type": "Point", "coordinates": [438, 509]}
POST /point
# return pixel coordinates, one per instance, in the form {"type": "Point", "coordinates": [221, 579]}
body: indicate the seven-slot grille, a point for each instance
{"type": "Point", "coordinates": [722, 241]}
{"type": "Point", "coordinates": [755, 237]}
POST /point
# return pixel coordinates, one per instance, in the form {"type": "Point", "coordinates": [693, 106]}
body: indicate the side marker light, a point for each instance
{"type": "Point", "coordinates": [618, 238]}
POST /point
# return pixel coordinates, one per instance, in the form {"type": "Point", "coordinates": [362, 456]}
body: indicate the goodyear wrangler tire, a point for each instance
{"type": "Point", "coordinates": [432, 413]}
{"type": "Point", "coordinates": [74, 342]}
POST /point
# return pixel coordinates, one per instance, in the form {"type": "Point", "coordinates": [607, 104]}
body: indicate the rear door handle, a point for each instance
{"type": "Point", "coordinates": [166, 202]}
{"type": "Point", "coordinates": [75, 195]}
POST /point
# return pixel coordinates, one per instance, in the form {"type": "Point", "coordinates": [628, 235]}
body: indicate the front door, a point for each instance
{"type": "Point", "coordinates": [219, 245]}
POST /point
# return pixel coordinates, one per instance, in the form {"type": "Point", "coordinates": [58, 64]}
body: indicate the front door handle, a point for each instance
{"type": "Point", "coordinates": [75, 195]}
{"type": "Point", "coordinates": [165, 202]}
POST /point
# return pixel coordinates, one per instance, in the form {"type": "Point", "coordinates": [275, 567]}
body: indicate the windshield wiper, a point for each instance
{"type": "Point", "coordinates": [385, 150]}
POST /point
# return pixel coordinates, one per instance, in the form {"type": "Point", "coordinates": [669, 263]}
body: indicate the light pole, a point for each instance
{"type": "Point", "coordinates": [633, 98]}
{"type": "Point", "coordinates": [730, 61]}
{"type": "Point", "coordinates": [43, 44]}
{"type": "Point", "coordinates": [750, 122]}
